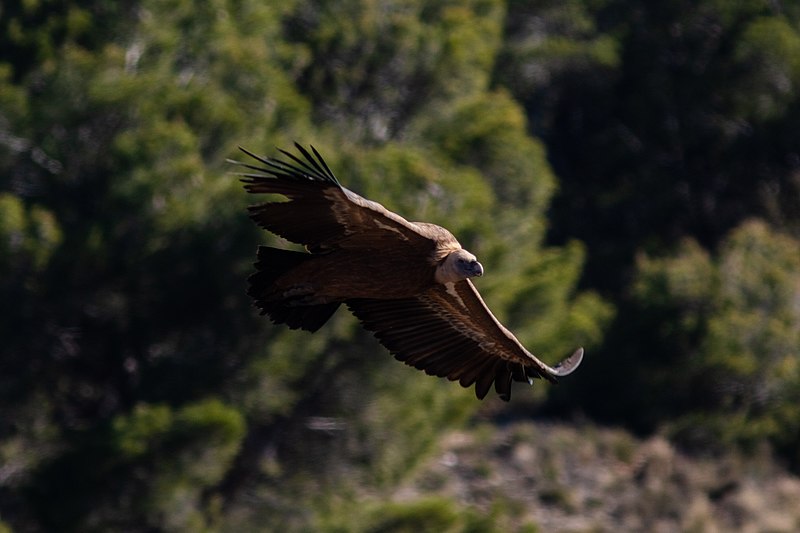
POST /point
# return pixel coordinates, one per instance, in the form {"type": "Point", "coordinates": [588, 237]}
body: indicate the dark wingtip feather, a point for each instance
{"type": "Point", "coordinates": [328, 171]}
{"type": "Point", "coordinates": [502, 382]}
{"type": "Point", "coordinates": [319, 163]}
{"type": "Point", "coordinates": [254, 156]}
{"type": "Point", "coordinates": [309, 168]}
{"type": "Point", "coordinates": [484, 381]}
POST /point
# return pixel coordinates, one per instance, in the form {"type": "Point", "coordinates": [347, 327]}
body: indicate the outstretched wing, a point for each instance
{"type": "Point", "coordinates": [448, 331]}
{"type": "Point", "coordinates": [320, 213]}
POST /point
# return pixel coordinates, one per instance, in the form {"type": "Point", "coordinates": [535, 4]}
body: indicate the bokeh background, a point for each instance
{"type": "Point", "coordinates": [627, 171]}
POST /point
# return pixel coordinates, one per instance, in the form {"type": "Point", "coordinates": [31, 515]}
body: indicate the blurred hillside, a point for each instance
{"type": "Point", "coordinates": [627, 172]}
{"type": "Point", "coordinates": [552, 477]}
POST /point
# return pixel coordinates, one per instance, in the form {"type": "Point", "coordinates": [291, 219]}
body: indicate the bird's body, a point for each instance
{"type": "Point", "coordinates": [343, 274]}
{"type": "Point", "coordinates": [408, 282]}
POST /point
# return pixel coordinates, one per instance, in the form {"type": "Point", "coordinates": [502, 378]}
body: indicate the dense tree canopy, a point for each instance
{"type": "Point", "coordinates": [628, 172]}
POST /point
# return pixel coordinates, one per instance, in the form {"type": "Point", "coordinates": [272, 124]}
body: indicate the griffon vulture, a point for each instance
{"type": "Point", "coordinates": [407, 282]}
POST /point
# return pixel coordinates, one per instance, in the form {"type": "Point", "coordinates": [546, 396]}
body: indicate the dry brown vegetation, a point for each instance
{"type": "Point", "coordinates": [557, 477]}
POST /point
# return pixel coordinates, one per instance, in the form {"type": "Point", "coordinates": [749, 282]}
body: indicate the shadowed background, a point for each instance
{"type": "Point", "coordinates": [628, 173]}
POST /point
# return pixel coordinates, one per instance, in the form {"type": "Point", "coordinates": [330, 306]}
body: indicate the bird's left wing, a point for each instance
{"type": "Point", "coordinates": [320, 213]}
{"type": "Point", "coordinates": [448, 331]}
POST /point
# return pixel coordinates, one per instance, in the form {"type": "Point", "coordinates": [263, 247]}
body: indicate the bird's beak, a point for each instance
{"type": "Point", "coordinates": [477, 269]}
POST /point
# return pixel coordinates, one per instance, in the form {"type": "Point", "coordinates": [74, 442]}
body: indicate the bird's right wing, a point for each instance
{"type": "Point", "coordinates": [449, 332]}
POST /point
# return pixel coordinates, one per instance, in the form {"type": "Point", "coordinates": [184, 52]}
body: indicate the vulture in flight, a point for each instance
{"type": "Point", "coordinates": [407, 282]}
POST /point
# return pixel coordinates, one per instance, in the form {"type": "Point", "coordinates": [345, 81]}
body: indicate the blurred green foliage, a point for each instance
{"type": "Point", "coordinates": [626, 171]}
{"type": "Point", "coordinates": [734, 321]}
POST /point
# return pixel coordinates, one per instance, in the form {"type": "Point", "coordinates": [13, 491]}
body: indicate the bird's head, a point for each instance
{"type": "Point", "coordinates": [457, 266]}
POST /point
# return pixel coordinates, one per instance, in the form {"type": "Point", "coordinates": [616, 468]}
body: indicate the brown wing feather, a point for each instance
{"type": "Point", "coordinates": [320, 213]}
{"type": "Point", "coordinates": [448, 331]}
{"type": "Point", "coordinates": [464, 304]}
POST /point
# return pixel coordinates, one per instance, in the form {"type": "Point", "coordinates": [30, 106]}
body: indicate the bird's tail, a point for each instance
{"type": "Point", "coordinates": [272, 263]}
